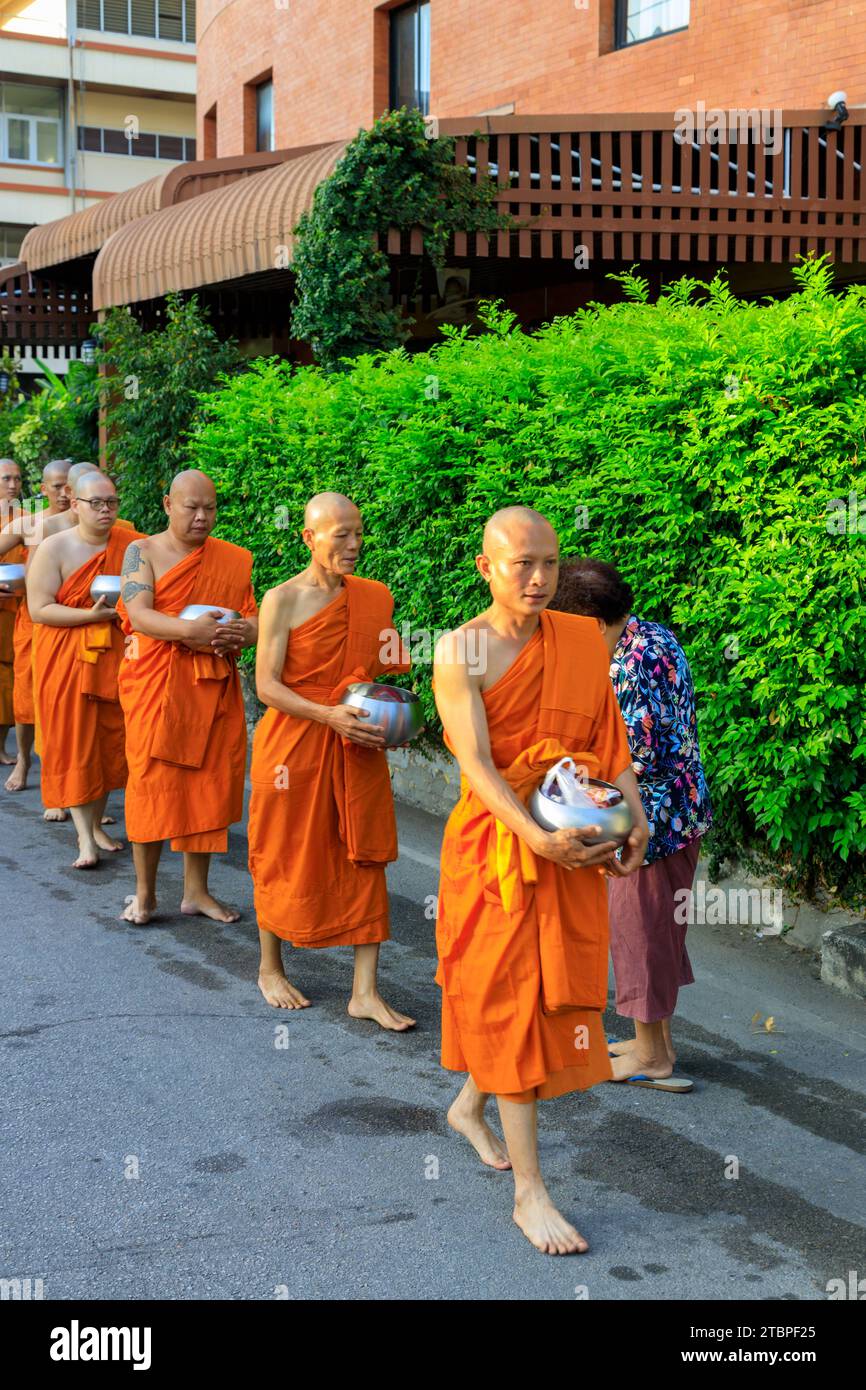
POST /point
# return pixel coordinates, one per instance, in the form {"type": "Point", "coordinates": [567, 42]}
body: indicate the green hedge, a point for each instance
{"type": "Point", "coordinates": [704, 437]}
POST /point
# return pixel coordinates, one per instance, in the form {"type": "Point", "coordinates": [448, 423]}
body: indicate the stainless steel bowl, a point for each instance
{"type": "Point", "coordinates": [13, 577]}
{"type": "Point", "coordinates": [106, 586]}
{"type": "Point", "coordinates": [398, 711]}
{"type": "Point", "coordinates": [198, 610]}
{"type": "Point", "coordinates": [615, 818]}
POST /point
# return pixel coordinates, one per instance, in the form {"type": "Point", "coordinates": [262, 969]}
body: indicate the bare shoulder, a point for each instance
{"type": "Point", "coordinates": [281, 601]}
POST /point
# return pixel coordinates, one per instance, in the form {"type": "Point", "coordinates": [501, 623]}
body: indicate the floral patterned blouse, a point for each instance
{"type": "Point", "coordinates": [653, 685]}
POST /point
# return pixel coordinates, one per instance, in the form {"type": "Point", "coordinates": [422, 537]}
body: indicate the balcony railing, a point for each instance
{"type": "Point", "coordinates": [626, 188]}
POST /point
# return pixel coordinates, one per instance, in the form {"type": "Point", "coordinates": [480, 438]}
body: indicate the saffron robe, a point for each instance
{"type": "Point", "coordinates": [75, 684]}
{"type": "Point", "coordinates": [321, 823]}
{"type": "Point", "coordinates": [9, 604]}
{"type": "Point", "coordinates": [186, 734]}
{"type": "Point", "coordinates": [22, 641]}
{"type": "Point", "coordinates": [523, 942]}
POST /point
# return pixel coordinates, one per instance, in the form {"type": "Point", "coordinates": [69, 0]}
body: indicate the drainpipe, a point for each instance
{"type": "Point", "coordinates": [71, 159]}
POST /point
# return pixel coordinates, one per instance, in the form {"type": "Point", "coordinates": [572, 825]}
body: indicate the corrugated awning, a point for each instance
{"type": "Point", "coordinates": [241, 230]}
{"type": "Point", "coordinates": [86, 231]}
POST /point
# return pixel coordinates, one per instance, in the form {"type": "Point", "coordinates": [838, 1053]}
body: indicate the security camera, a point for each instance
{"type": "Point", "coordinates": [838, 103]}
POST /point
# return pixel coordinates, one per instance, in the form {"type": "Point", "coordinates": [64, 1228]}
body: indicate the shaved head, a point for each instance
{"type": "Point", "coordinates": [191, 480]}
{"type": "Point", "coordinates": [520, 561]}
{"type": "Point", "coordinates": [506, 525]}
{"type": "Point", "coordinates": [326, 507]}
{"type": "Point", "coordinates": [333, 533]}
{"type": "Point", "coordinates": [57, 468]}
{"type": "Point", "coordinates": [191, 506]}
{"type": "Point", "coordinates": [77, 471]}
{"type": "Point", "coordinates": [93, 483]}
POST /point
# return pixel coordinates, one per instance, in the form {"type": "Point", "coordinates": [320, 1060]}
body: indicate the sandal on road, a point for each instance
{"type": "Point", "coordinates": [677, 1084]}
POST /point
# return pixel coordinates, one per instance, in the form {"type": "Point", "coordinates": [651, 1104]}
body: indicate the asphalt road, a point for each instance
{"type": "Point", "coordinates": [167, 1135]}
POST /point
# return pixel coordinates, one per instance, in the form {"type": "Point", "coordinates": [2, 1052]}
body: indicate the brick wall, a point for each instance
{"type": "Point", "coordinates": [330, 60]}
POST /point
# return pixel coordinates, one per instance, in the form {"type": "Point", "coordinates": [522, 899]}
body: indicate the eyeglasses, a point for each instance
{"type": "Point", "coordinates": [100, 504]}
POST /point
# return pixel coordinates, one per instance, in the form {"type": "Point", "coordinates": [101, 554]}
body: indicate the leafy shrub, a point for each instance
{"type": "Point", "coordinates": [59, 420]}
{"type": "Point", "coordinates": [698, 443]}
{"type": "Point", "coordinates": [392, 175]}
{"type": "Point", "coordinates": [155, 377]}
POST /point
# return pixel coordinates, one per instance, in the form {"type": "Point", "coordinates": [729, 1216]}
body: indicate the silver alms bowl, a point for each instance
{"type": "Point", "coordinates": [398, 711]}
{"type": "Point", "coordinates": [106, 586]}
{"type": "Point", "coordinates": [614, 817]}
{"type": "Point", "coordinates": [13, 577]}
{"type": "Point", "coordinates": [198, 610]}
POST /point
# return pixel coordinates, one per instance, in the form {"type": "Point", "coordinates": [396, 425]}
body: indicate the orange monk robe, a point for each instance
{"type": "Point", "coordinates": [22, 641]}
{"type": "Point", "coordinates": [523, 942]}
{"type": "Point", "coordinates": [8, 607]}
{"type": "Point", "coordinates": [186, 735]}
{"type": "Point", "coordinates": [321, 823]}
{"type": "Point", "coordinates": [75, 683]}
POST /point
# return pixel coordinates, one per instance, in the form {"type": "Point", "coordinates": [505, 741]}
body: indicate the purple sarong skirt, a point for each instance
{"type": "Point", "coordinates": [648, 946]}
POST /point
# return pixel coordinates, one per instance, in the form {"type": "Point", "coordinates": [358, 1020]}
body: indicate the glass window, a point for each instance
{"type": "Point", "coordinates": [115, 16]}
{"type": "Point", "coordinates": [410, 56]}
{"type": "Point", "coordinates": [265, 116]}
{"type": "Point", "coordinates": [170, 19]}
{"type": "Point", "coordinates": [164, 19]}
{"type": "Point", "coordinates": [18, 137]}
{"type": "Point", "coordinates": [637, 20]}
{"type": "Point", "coordinates": [11, 236]}
{"type": "Point", "coordinates": [171, 147]}
{"type": "Point", "coordinates": [47, 142]}
{"type": "Point", "coordinates": [143, 13]}
{"type": "Point", "coordinates": [189, 151]}
{"type": "Point", "coordinates": [25, 100]}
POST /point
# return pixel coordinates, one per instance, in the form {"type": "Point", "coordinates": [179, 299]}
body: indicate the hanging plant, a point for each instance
{"type": "Point", "coordinates": [392, 175]}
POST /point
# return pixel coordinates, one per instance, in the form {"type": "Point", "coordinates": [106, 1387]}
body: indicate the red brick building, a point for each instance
{"type": "Point", "coordinates": [674, 133]}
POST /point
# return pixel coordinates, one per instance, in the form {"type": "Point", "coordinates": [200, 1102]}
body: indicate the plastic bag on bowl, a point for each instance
{"type": "Point", "coordinates": [564, 783]}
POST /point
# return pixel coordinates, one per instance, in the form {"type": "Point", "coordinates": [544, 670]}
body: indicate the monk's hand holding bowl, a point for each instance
{"type": "Point", "coordinates": [202, 630]}
{"type": "Point", "coordinates": [102, 610]}
{"type": "Point", "coordinates": [348, 722]}
{"type": "Point", "coordinates": [567, 847]}
{"type": "Point", "coordinates": [230, 637]}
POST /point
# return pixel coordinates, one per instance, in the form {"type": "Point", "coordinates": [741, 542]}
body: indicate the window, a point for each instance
{"type": "Point", "coordinates": [31, 124]}
{"type": "Point", "coordinates": [637, 20]}
{"type": "Point", "coordinates": [410, 56]}
{"type": "Point", "coordinates": [145, 146]}
{"type": "Point", "coordinates": [11, 236]}
{"type": "Point", "coordinates": [265, 116]}
{"type": "Point", "coordinates": [154, 19]}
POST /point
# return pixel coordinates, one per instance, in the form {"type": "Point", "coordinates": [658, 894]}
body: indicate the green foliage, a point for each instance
{"type": "Point", "coordinates": [391, 175]}
{"type": "Point", "coordinates": [59, 420]}
{"type": "Point", "coordinates": [154, 381]}
{"type": "Point", "coordinates": [706, 439]}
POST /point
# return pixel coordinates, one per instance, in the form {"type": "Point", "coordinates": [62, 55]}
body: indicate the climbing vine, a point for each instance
{"type": "Point", "coordinates": [392, 175]}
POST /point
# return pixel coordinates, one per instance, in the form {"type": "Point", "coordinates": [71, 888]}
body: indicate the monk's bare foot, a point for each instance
{"type": "Point", "coordinates": [17, 779]}
{"type": "Point", "coordinates": [6, 760]}
{"type": "Point", "coordinates": [544, 1226]}
{"type": "Point", "coordinates": [106, 842]}
{"type": "Point", "coordinates": [278, 992]}
{"type": "Point", "coordinates": [108, 820]}
{"type": "Point", "coordinates": [373, 1006]}
{"type": "Point", "coordinates": [55, 814]}
{"type": "Point", "coordinates": [138, 910]}
{"type": "Point", "coordinates": [206, 906]}
{"type": "Point", "coordinates": [488, 1146]}
{"type": "Point", "coordinates": [88, 856]}
{"type": "Point", "coordinates": [636, 1064]}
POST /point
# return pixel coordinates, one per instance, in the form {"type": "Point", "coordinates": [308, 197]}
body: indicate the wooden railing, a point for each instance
{"type": "Point", "coordinates": [34, 309]}
{"type": "Point", "coordinates": [626, 188]}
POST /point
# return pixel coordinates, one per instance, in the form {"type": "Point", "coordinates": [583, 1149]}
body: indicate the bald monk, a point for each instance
{"type": "Point", "coordinates": [77, 649]}
{"type": "Point", "coordinates": [33, 528]}
{"type": "Point", "coordinates": [27, 525]}
{"type": "Point", "coordinates": [10, 508]}
{"type": "Point", "coordinates": [180, 689]}
{"type": "Point", "coordinates": [321, 824]}
{"type": "Point", "coordinates": [522, 919]}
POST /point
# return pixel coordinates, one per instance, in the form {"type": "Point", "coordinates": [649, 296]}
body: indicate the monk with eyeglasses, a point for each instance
{"type": "Point", "coordinates": [77, 650]}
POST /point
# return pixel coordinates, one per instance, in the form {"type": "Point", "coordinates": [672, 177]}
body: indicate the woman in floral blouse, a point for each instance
{"type": "Point", "coordinates": [654, 687]}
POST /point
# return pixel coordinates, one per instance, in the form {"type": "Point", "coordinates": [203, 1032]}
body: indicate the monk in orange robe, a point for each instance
{"type": "Point", "coordinates": [321, 823]}
{"type": "Point", "coordinates": [522, 917]}
{"type": "Point", "coordinates": [10, 507]}
{"type": "Point", "coordinates": [77, 649]}
{"type": "Point", "coordinates": [186, 734]}
{"type": "Point", "coordinates": [30, 527]}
